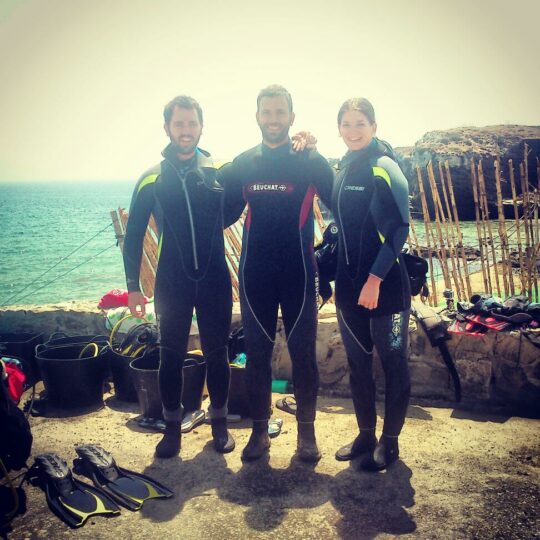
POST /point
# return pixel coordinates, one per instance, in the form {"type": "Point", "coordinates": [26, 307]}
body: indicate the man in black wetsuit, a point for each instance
{"type": "Point", "coordinates": [186, 200]}
{"type": "Point", "coordinates": [277, 266]}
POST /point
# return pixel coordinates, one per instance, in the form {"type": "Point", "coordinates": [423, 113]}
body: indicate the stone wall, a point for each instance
{"type": "Point", "coordinates": [496, 369]}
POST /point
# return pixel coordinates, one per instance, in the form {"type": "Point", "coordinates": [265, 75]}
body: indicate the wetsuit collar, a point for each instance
{"type": "Point", "coordinates": [200, 160]}
{"type": "Point", "coordinates": [200, 166]}
{"type": "Point", "coordinates": [281, 150]}
{"type": "Point", "coordinates": [355, 155]}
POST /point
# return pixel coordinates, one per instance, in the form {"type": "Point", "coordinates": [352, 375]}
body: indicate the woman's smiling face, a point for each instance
{"type": "Point", "coordinates": [356, 130]}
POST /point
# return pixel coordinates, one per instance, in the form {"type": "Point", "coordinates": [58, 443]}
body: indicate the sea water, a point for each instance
{"type": "Point", "coordinates": [43, 223]}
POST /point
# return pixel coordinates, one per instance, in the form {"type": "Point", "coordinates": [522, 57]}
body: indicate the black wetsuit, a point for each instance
{"type": "Point", "coordinates": [370, 205]}
{"type": "Point", "coordinates": [192, 271]}
{"type": "Point", "coordinates": [277, 265]}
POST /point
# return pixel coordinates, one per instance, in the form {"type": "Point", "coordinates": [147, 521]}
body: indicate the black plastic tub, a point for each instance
{"type": "Point", "coordinates": [73, 382]}
{"type": "Point", "coordinates": [23, 345]}
{"type": "Point", "coordinates": [122, 376]}
{"type": "Point", "coordinates": [145, 380]}
{"type": "Point", "coordinates": [59, 339]}
{"type": "Point", "coordinates": [194, 377]}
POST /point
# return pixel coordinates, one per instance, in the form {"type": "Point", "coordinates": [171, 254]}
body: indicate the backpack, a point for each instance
{"type": "Point", "coordinates": [417, 268]}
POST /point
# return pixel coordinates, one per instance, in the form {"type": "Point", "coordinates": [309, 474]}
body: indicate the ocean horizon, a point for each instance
{"type": "Point", "coordinates": [59, 244]}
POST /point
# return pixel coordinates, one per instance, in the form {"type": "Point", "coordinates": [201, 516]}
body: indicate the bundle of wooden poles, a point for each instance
{"type": "Point", "coordinates": [444, 239]}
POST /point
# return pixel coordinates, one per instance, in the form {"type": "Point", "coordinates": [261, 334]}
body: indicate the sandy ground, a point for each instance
{"type": "Point", "coordinates": [462, 475]}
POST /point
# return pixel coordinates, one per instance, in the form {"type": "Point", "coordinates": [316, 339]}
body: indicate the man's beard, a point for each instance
{"type": "Point", "coordinates": [185, 149]}
{"type": "Point", "coordinates": [277, 137]}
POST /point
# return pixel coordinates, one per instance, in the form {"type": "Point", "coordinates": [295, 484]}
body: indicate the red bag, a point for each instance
{"type": "Point", "coordinates": [115, 298]}
{"type": "Point", "coordinates": [15, 381]}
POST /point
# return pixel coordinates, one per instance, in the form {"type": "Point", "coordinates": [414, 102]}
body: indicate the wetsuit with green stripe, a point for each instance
{"type": "Point", "coordinates": [370, 205]}
{"type": "Point", "coordinates": [192, 272]}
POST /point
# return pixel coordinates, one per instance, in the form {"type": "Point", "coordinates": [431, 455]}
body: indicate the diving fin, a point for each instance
{"type": "Point", "coordinates": [70, 499]}
{"type": "Point", "coordinates": [128, 488]}
{"type": "Point", "coordinates": [461, 325]}
{"type": "Point", "coordinates": [489, 321]}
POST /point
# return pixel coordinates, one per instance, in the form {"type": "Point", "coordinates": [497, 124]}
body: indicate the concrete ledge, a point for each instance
{"type": "Point", "coordinates": [497, 369]}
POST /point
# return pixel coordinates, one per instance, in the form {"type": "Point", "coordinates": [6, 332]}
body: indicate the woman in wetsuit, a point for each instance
{"type": "Point", "coordinates": [370, 205]}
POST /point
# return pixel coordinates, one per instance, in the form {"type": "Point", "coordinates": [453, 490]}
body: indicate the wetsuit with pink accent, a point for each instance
{"type": "Point", "coordinates": [277, 266]}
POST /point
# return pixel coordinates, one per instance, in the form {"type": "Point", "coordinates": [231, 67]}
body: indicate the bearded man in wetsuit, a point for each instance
{"type": "Point", "coordinates": [277, 266]}
{"type": "Point", "coordinates": [186, 200]}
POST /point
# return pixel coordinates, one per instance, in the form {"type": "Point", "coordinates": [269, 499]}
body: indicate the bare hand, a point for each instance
{"type": "Point", "coordinates": [369, 295]}
{"type": "Point", "coordinates": [136, 304]}
{"type": "Point", "coordinates": [303, 140]}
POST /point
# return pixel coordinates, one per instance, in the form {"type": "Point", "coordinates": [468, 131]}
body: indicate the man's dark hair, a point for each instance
{"type": "Point", "coordinates": [357, 104]}
{"type": "Point", "coordinates": [275, 90]}
{"type": "Point", "coordinates": [184, 102]}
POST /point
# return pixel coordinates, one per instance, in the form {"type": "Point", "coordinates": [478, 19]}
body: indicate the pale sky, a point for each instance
{"type": "Point", "coordinates": [83, 83]}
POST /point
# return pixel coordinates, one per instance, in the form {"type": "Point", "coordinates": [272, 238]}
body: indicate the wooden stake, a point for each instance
{"type": "Point", "coordinates": [451, 237]}
{"type": "Point", "coordinates": [458, 228]}
{"type": "Point", "coordinates": [508, 280]}
{"type": "Point", "coordinates": [485, 275]}
{"type": "Point", "coordinates": [522, 269]}
{"type": "Point", "coordinates": [425, 212]}
{"type": "Point", "coordinates": [525, 206]}
{"type": "Point", "coordinates": [483, 198]}
{"type": "Point", "coordinates": [531, 244]}
{"type": "Point", "coordinates": [443, 256]}
{"type": "Point", "coordinates": [415, 238]}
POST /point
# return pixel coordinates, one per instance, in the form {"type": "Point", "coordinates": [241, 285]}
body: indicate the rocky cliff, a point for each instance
{"type": "Point", "coordinates": [459, 146]}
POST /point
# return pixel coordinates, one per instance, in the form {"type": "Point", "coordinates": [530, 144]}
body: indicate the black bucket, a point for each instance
{"type": "Point", "coordinates": [194, 377]}
{"type": "Point", "coordinates": [59, 338]}
{"type": "Point", "coordinates": [238, 396]}
{"type": "Point", "coordinates": [145, 380]}
{"type": "Point", "coordinates": [122, 376]}
{"type": "Point", "coordinates": [23, 345]}
{"type": "Point", "coordinates": [70, 381]}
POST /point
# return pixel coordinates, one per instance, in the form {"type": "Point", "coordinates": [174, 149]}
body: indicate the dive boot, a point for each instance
{"type": "Point", "coordinates": [365, 442]}
{"type": "Point", "coordinates": [258, 443]}
{"type": "Point", "coordinates": [306, 449]}
{"type": "Point", "coordinates": [169, 446]}
{"type": "Point", "coordinates": [385, 453]}
{"type": "Point", "coordinates": [223, 440]}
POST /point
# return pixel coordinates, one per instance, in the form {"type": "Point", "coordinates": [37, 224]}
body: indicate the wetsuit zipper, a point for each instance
{"type": "Point", "coordinates": [341, 223]}
{"type": "Point", "coordinates": [190, 215]}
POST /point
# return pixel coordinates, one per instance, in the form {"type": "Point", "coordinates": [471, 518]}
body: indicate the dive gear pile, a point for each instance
{"type": "Point", "coordinates": [486, 312]}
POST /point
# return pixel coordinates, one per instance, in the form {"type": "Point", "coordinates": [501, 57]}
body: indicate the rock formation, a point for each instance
{"type": "Point", "coordinates": [459, 146]}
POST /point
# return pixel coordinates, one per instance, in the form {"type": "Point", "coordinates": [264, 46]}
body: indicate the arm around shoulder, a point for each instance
{"type": "Point", "coordinates": [322, 177]}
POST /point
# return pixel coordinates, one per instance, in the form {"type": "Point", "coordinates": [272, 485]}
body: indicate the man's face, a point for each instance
{"type": "Point", "coordinates": [274, 119]}
{"type": "Point", "coordinates": [184, 130]}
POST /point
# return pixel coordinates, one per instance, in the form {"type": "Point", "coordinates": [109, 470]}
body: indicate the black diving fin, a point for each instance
{"type": "Point", "coordinates": [128, 488]}
{"type": "Point", "coordinates": [70, 499]}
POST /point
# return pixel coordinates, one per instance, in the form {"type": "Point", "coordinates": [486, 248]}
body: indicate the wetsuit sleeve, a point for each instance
{"type": "Point", "coordinates": [142, 204]}
{"type": "Point", "coordinates": [390, 210]}
{"type": "Point", "coordinates": [233, 200]}
{"type": "Point", "coordinates": [322, 177]}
